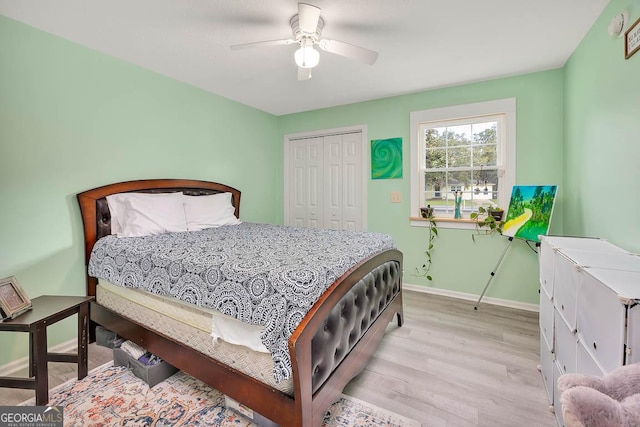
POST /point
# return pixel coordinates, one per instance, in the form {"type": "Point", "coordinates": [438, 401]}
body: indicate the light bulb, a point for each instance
{"type": "Point", "coordinates": [307, 57]}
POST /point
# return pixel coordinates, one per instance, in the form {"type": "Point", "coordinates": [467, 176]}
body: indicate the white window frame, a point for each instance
{"type": "Point", "coordinates": [507, 152]}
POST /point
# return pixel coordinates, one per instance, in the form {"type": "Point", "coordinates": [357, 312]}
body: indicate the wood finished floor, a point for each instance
{"type": "Point", "coordinates": [447, 366]}
{"type": "Point", "coordinates": [450, 365]}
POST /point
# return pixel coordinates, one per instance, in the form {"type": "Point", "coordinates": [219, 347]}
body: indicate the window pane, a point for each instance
{"type": "Point", "coordinates": [459, 157]}
{"type": "Point", "coordinates": [436, 158]}
{"type": "Point", "coordinates": [459, 135]}
{"type": "Point", "coordinates": [434, 137]}
{"type": "Point", "coordinates": [459, 180]}
{"type": "Point", "coordinates": [435, 188]}
{"type": "Point", "coordinates": [485, 155]}
{"type": "Point", "coordinates": [448, 204]}
{"type": "Point", "coordinates": [485, 133]}
{"type": "Point", "coordinates": [485, 188]}
{"type": "Point", "coordinates": [485, 144]}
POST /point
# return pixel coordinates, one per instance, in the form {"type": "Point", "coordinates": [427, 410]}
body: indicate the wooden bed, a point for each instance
{"type": "Point", "coordinates": [370, 293]}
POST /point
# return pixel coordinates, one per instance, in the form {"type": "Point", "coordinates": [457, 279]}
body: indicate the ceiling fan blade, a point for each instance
{"type": "Point", "coordinates": [264, 43]}
{"type": "Point", "coordinates": [308, 16]}
{"type": "Point", "coordinates": [349, 50]}
{"type": "Point", "coordinates": [304, 73]}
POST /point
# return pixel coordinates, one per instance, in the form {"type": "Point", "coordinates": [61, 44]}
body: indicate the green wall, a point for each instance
{"type": "Point", "coordinates": [602, 135]}
{"type": "Point", "coordinates": [459, 264]}
{"type": "Point", "coordinates": [72, 119]}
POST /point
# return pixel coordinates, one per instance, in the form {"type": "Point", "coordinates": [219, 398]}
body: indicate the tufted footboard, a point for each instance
{"type": "Point", "coordinates": [339, 335]}
{"type": "Point", "coordinates": [350, 319]}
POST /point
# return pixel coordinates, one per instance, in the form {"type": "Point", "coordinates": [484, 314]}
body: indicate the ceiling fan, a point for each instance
{"type": "Point", "coordinates": [307, 27]}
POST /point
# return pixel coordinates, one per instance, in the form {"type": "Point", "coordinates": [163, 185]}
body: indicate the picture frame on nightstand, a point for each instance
{"type": "Point", "coordinates": [13, 299]}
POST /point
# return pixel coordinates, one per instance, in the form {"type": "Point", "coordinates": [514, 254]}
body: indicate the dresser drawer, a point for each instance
{"type": "Point", "coordinates": [546, 368]}
{"type": "Point", "coordinates": [557, 405]}
{"type": "Point", "coordinates": [586, 364]}
{"type": "Point", "coordinates": [547, 264]}
{"type": "Point", "coordinates": [565, 289]}
{"type": "Point", "coordinates": [546, 320]}
{"type": "Point", "coordinates": [565, 346]}
{"type": "Point", "coordinates": [633, 335]}
{"type": "Point", "coordinates": [601, 324]}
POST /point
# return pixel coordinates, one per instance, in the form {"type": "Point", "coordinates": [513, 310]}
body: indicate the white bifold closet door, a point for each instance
{"type": "Point", "coordinates": [325, 182]}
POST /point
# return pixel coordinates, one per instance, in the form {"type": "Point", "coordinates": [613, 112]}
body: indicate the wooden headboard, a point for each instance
{"type": "Point", "coordinates": [96, 218]}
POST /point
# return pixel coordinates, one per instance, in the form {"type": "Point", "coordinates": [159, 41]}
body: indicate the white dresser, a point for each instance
{"type": "Point", "coordinates": [589, 312]}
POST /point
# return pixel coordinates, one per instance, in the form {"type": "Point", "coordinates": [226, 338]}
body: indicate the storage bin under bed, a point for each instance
{"type": "Point", "coordinates": [151, 374]}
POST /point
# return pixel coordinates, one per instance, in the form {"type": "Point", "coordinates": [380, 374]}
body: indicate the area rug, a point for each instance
{"type": "Point", "coordinates": [113, 396]}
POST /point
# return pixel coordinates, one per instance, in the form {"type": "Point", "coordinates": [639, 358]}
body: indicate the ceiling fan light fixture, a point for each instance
{"type": "Point", "coordinates": [307, 57]}
{"type": "Point", "coordinates": [306, 28]}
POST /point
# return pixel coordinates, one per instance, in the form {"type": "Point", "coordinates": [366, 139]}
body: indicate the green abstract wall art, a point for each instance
{"type": "Point", "coordinates": [386, 158]}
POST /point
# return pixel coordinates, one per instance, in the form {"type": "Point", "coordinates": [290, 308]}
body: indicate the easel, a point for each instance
{"type": "Point", "coordinates": [493, 273]}
{"type": "Point", "coordinates": [528, 191]}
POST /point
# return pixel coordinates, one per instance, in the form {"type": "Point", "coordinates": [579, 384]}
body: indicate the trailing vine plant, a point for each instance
{"type": "Point", "coordinates": [423, 271]}
{"type": "Point", "coordinates": [488, 221]}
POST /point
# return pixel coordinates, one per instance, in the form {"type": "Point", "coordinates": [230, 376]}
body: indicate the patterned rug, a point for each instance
{"type": "Point", "coordinates": [113, 396]}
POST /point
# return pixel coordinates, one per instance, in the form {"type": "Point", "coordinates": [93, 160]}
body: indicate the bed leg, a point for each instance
{"type": "Point", "coordinates": [400, 318]}
{"type": "Point", "coordinates": [92, 331]}
{"type": "Point", "coordinates": [399, 309]}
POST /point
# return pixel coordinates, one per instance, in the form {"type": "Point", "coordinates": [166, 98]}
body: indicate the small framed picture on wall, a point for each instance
{"type": "Point", "coordinates": [632, 39]}
{"type": "Point", "coordinates": [13, 299]}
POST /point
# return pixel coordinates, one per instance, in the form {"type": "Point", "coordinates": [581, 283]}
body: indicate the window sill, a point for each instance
{"type": "Point", "coordinates": [444, 222]}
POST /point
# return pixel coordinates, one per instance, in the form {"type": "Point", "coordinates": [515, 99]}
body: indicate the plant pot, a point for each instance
{"type": "Point", "coordinates": [426, 212]}
{"type": "Point", "coordinates": [497, 215]}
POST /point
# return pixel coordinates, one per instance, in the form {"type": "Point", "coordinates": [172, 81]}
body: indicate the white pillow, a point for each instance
{"type": "Point", "coordinates": [117, 211]}
{"type": "Point", "coordinates": [143, 214]}
{"type": "Point", "coordinates": [209, 211]}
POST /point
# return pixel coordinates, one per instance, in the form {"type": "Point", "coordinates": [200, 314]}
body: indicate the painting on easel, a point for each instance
{"type": "Point", "coordinates": [530, 210]}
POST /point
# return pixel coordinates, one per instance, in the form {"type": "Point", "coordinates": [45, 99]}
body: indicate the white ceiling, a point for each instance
{"type": "Point", "coordinates": [423, 44]}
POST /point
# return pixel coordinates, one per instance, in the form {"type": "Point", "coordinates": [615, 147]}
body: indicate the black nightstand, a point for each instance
{"type": "Point", "coordinates": [46, 310]}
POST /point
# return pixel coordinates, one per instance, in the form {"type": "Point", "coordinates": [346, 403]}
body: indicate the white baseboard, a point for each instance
{"type": "Point", "coordinates": [16, 365]}
{"type": "Point", "coordinates": [472, 297]}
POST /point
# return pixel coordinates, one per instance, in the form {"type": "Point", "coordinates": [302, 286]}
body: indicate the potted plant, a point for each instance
{"type": "Point", "coordinates": [427, 213]}
{"type": "Point", "coordinates": [496, 212]}
{"type": "Point", "coordinates": [488, 220]}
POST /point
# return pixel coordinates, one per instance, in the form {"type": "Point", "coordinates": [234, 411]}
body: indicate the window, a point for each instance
{"type": "Point", "coordinates": [461, 155]}
{"type": "Point", "coordinates": [468, 149]}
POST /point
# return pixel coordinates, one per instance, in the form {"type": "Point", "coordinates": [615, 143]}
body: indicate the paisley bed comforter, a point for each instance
{"type": "Point", "coordinates": [261, 274]}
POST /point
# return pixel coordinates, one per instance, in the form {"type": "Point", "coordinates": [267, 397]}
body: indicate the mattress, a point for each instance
{"type": "Point", "coordinates": [220, 326]}
{"type": "Point", "coordinates": [189, 325]}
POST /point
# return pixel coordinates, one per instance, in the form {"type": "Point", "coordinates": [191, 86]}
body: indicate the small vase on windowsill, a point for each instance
{"type": "Point", "coordinates": [457, 198]}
